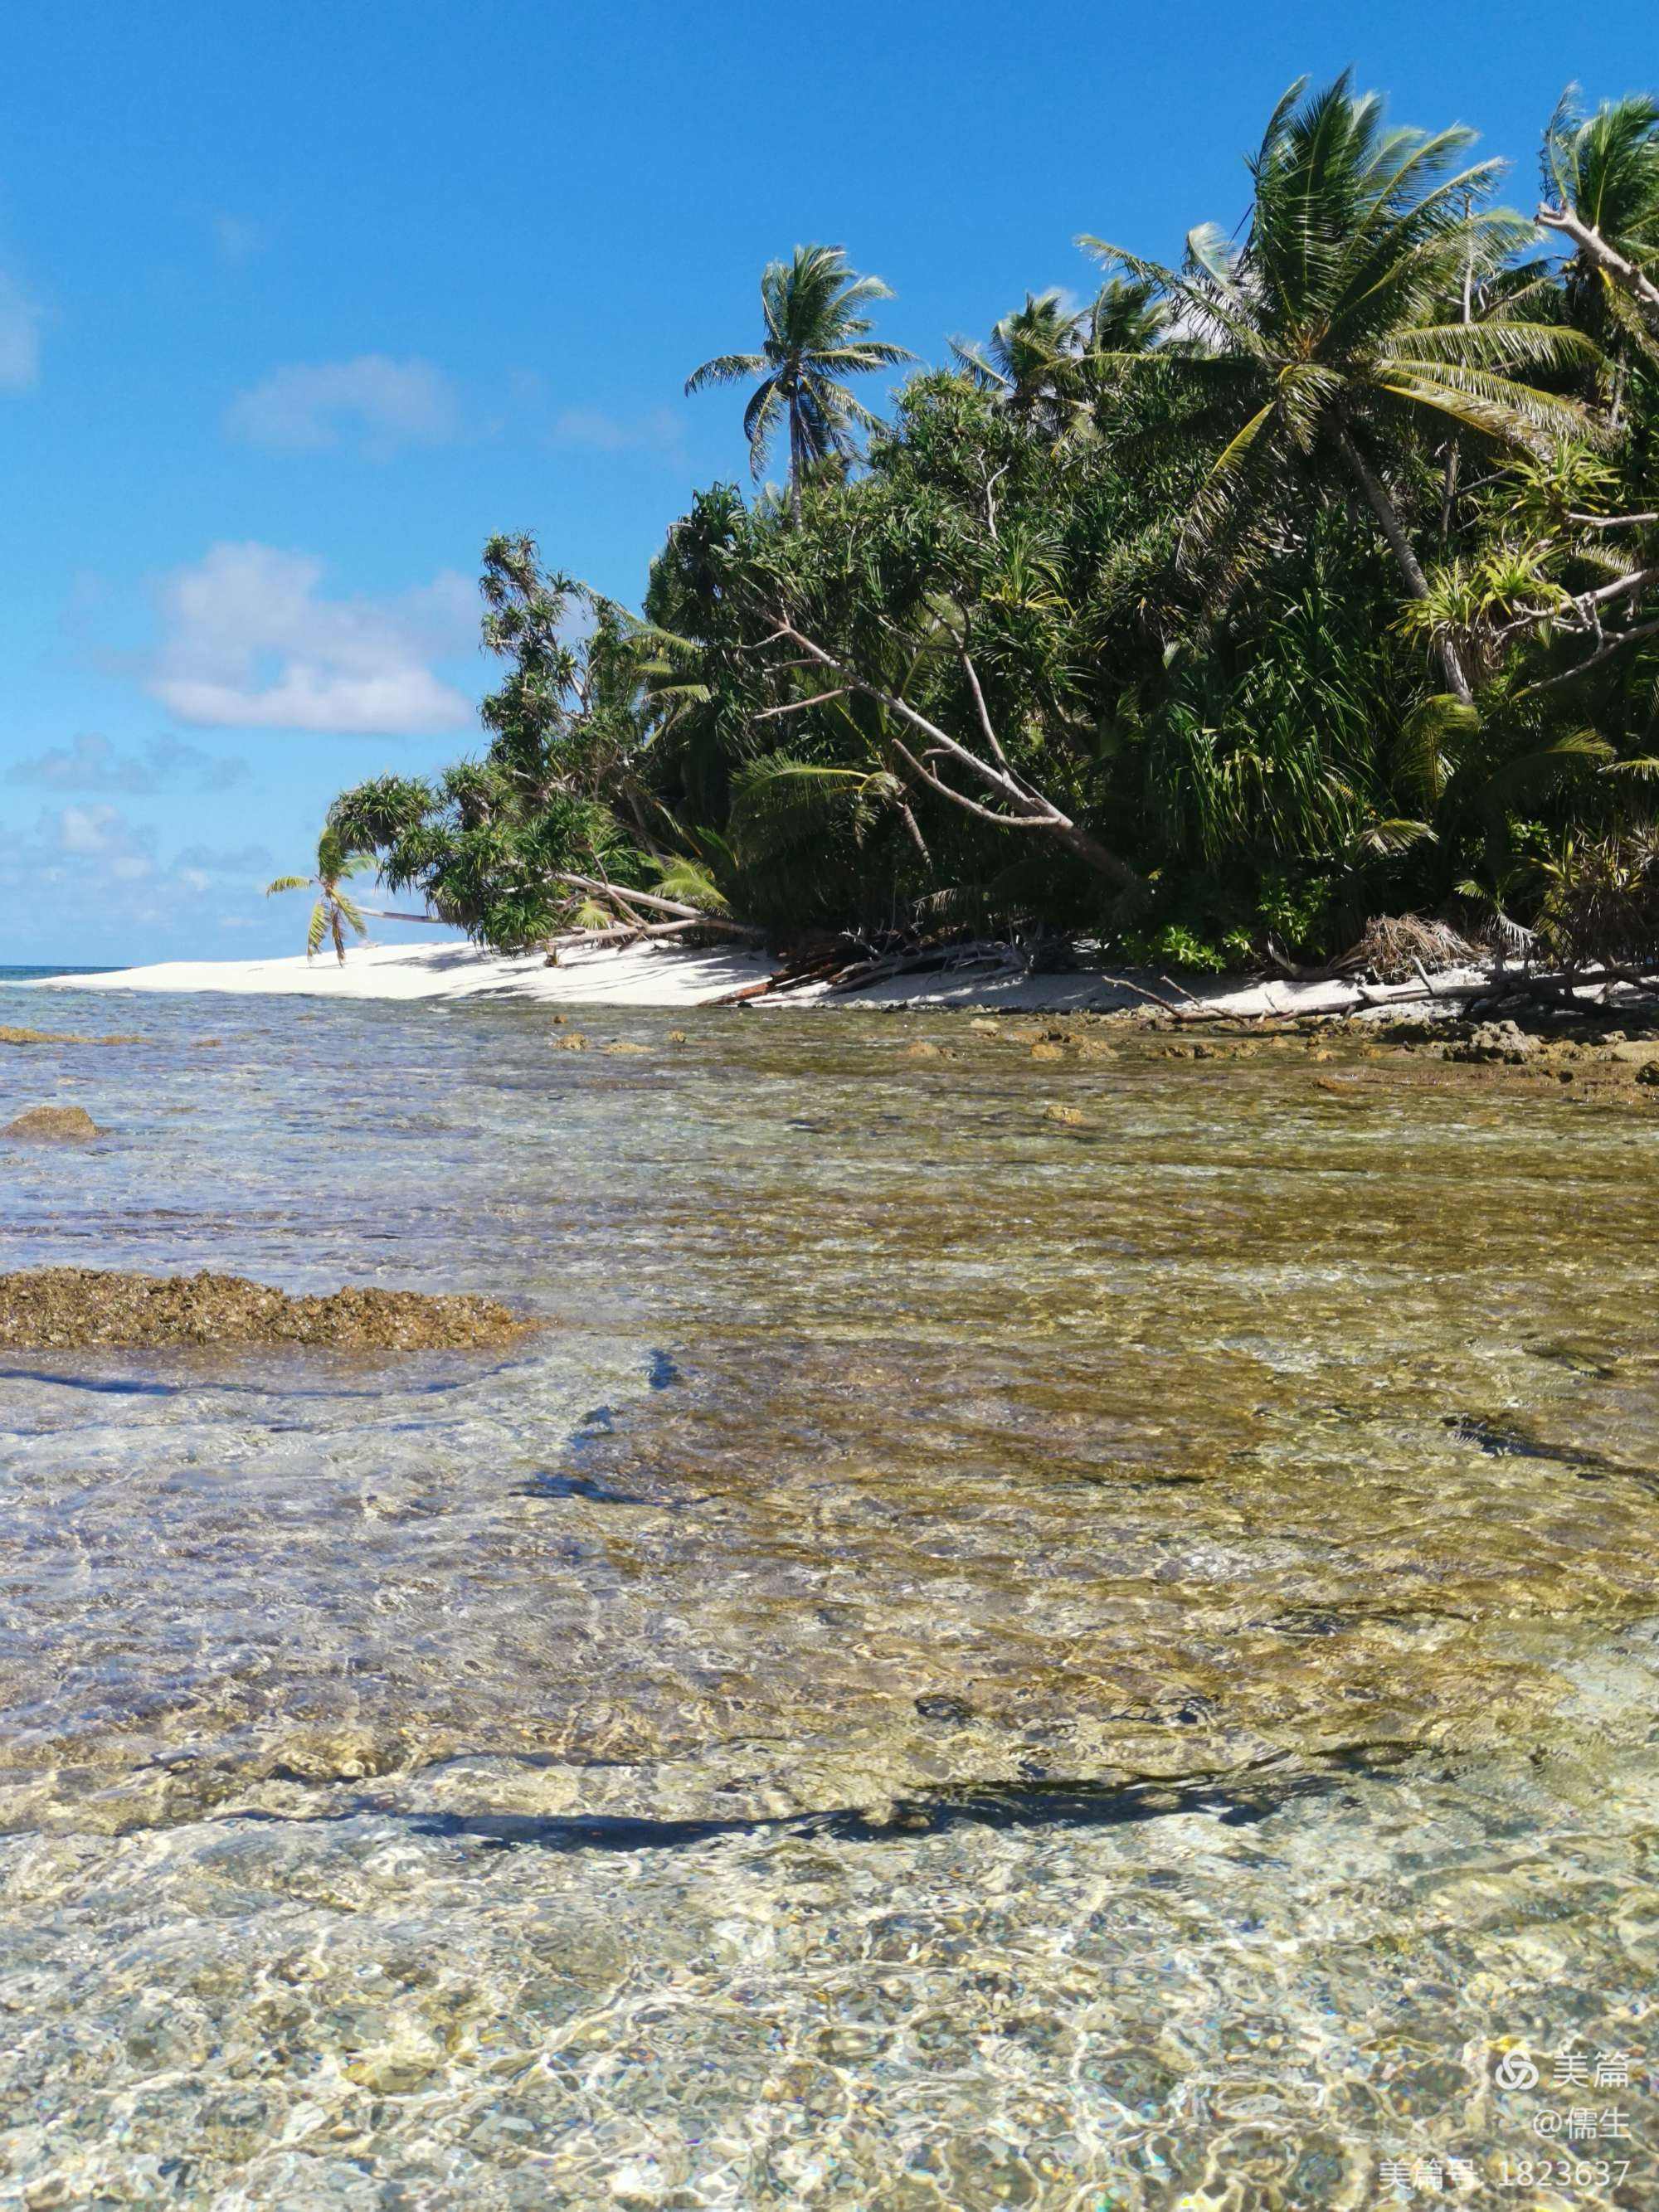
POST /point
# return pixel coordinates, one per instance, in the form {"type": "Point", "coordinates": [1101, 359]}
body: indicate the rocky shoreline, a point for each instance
{"type": "Point", "coordinates": [1580, 1048]}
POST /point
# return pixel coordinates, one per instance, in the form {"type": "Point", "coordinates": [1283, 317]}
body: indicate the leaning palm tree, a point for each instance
{"type": "Point", "coordinates": [815, 337]}
{"type": "Point", "coordinates": [333, 907]}
{"type": "Point", "coordinates": [1344, 322]}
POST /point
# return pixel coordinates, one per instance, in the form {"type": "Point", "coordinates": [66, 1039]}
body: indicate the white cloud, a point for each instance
{"type": "Point", "coordinates": [249, 642]}
{"type": "Point", "coordinates": [309, 406]}
{"type": "Point", "coordinates": [19, 336]}
{"type": "Point", "coordinates": [87, 875]}
{"type": "Point", "coordinates": [89, 829]}
{"type": "Point", "coordinates": [90, 763]}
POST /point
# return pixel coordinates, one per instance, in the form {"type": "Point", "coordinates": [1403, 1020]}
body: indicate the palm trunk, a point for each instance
{"type": "Point", "coordinates": [1394, 530]}
{"type": "Point", "coordinates": [794, 458]}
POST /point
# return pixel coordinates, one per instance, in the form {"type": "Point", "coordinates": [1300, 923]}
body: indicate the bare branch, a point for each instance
{"type": "Point", "coordinates": [1621, 588]}
{"type": "Point", "coordinates": [1594, 248]}
{"type": "Point", "coordinates": [799, 706]}
{"type": "Point", "coordinates": [1031, 811]}
{"type": "Point", "coordinates": [972, 674]}
{"type": "Point", "coordinates": [918, 768]}
{"type": "Point", "coordinates": [1614, 644]}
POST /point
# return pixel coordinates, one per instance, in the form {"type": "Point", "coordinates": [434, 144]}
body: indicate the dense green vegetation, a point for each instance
{"type": "Point", "coordinates": [1314, 580]}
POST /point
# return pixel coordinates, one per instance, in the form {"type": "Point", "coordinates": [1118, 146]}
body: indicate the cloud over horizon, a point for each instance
{"type": "Point", "coordinates": [373, 400]}
{"type": "Point", "coordinates": [89, 869]}
{"type": "Point", "coordinates": [250, 642]}
{"type": "Point", "coordinates": [99, 832]}
{"type": "Point", "coordinates": [91, 762]}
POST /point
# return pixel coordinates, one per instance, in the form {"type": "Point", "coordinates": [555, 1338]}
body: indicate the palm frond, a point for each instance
{"type": "Point", "coordinates": [725, 369]}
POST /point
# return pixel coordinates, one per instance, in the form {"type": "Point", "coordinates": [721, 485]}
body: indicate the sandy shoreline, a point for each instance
{"type": "Point", "coordinates": [606, 977]}
{"type": "Point", "coordinates": [653, 976]}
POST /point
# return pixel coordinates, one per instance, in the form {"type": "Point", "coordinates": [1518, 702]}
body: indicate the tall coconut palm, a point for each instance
{"type": "Point", "coordinates": [1602, 195]}
{"type": "Point", "coordinates": [1030, 358]}
{"type": "Point", "coordinates": [1126, 316]}
{"type": "Point", "coordinates": [817, 334]}
{"type": "Point", "coordinates": [334, 912]}
{"type": "Point", "coordinates": [1336, 330]}
{"type": "Point", "coordinates": [1048, 361]}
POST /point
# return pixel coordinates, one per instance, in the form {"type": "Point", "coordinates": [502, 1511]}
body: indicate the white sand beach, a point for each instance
{"type": "Point", "coordinates": [661, 976]}
{"type": "Point", "coordinates": [633, 977]}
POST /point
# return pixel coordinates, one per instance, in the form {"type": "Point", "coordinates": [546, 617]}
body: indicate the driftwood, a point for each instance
{"type": "Point", "coordinates": [624, 933]}
{"type": "Point", "coordinates": [839, 974]}
{"type": "Point", "coordinates": [632, 927]}
{"type": "Point", "coordinates": [1556, 988]}
{"type": "Point", "coordinates": [852, 963]}
{"type": "Point", "coordinates": [948, 958]}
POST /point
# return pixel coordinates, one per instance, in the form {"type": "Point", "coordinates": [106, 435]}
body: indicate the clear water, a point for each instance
{"type": "Point", "coordinates": [979, 1661]}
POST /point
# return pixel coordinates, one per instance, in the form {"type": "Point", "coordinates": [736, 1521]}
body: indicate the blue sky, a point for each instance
{"type": "Point", "coordinates": [299, 302]}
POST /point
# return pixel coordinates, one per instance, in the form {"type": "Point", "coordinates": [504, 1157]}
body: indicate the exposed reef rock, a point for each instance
{"type": "Point", "coordinates": [57, 1309]}
{"type": "Point", "coordinates": [53, 1125]}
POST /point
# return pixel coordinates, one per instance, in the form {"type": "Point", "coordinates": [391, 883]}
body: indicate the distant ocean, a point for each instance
{"type": "Point", "coordinates": [32, 974]}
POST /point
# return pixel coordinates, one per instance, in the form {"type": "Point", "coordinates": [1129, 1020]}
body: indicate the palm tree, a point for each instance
{"type": "Point", "coordinates": [815, 336]}
{"type": "Point", "coordinates": [1601, 188]}
{"type": "Point", "coordinates": [1047, 360]}
{"type": "Point", "coordinates": [1325, 341]}
{"type": "Point", "coordinates": [1030, 358]}
{"type": "Point", "coordinates": [333, 907]}
{"type": "Point", "coordinates": [1126, 316]}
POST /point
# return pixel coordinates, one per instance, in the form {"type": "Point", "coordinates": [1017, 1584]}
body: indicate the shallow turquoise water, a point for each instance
{"type": "Point", "coordinates": [976, 1660]}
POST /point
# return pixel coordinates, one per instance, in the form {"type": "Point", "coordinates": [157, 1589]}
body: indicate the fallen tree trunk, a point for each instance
{"type": "Point", "coordinates": [839, 974]}
{"type": "Point", "coordinates": [622, 893]}
{"type": "Point", "coordinates": [1557, 987]}
{"type": "Point", "coordinates": [631, 932]}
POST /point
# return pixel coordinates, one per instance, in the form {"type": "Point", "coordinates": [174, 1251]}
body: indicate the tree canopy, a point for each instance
{"type": "Point", "coordinates": [1314, 578]}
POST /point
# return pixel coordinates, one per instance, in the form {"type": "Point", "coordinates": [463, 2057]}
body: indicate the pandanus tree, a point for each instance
{"type": "Point", "coordinates": [1344, 322]}
{"type": "Point", "coordinates": [817, 335]}
{"type": "Point", "coordinates": [334, 912]}
{"type": "Point", "coordinates": [552, 836]}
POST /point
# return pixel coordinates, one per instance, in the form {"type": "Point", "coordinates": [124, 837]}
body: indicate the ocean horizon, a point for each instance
{"type": "Point", "coordinates": [26, 975]}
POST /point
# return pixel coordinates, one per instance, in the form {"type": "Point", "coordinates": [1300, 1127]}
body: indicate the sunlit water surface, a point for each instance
{"type": "Point", "coordinates": [977, 1660]}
